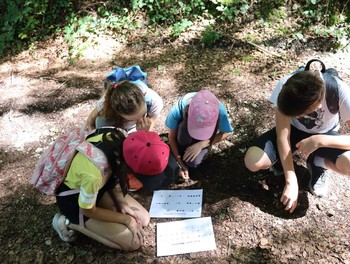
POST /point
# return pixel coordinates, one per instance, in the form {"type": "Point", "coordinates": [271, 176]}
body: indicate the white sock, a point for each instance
{"type": "Point", "coordinates": [319, 162]}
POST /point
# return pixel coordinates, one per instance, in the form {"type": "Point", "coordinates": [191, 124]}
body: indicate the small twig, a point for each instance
{"type": "Point", "coordinates": [251, 43]}
{"type": "Point", "coordinates": [345, 5]}
{"type": "Point", "coordinates": [61, 85]}
{"type": "Point", "coordinates": [264, 50]}
{"type": "Point", "coordinates": [229, 247]}
{"type": "Point", "coordinates": [49, 78]}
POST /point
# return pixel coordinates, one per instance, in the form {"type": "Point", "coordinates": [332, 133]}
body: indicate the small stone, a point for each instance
{"type": "Point", "coordinates": [39, 150]}
{"type": "Point", "coordinates": [330, 213]}
{"type": "Point", "coordinates": [263, 243]}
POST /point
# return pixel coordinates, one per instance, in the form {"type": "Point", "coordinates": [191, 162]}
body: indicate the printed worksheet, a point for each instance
{"type": "Point", "coordinates": [176, 203]}
{"type": "Point", "coordinates": [186, 236]}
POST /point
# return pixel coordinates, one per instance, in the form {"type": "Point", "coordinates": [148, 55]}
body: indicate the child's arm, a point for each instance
{"type": "Point", "coordinates": [219, 137]}
{"type": "Point", "coordinates": [107, 215]}
{"type": "Point", "coordinates": [146, 123]}
{"type": "Point", "coordinates": [129, 206]}
{"type": "Point", "coordinates": [290, 193]}
{"type": "Point", "coordinates": [173, 146]}
{"type": "Point", "coordinates": [90, 122]}
{"type": "Point", "coordinates": [152, 119]}
{"type": "Point", "coordinates": [193, 151]}
{"type": "Point", "coordinates": [310, 144]}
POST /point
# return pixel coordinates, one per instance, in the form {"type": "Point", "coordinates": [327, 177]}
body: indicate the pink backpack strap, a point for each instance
{"type": "Point", "coordinates": [95, 155]}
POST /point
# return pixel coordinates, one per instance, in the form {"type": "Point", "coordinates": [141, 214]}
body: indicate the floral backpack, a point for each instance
{"type": "Point", "coordinates": [53, 165]}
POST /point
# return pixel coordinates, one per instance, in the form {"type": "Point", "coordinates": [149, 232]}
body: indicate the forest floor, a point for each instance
{"type": "Point", "coordinates": [43, 94]}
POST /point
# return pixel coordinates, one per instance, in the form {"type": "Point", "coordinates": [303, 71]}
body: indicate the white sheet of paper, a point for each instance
{"type": "Point", "coordinates": [185, 236]}
{"type": "Point", "coordinates": [176, 203]}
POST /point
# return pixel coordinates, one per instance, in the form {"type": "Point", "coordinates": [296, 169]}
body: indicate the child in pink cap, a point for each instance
{"type": "Point", "coordinates": [196, 121]}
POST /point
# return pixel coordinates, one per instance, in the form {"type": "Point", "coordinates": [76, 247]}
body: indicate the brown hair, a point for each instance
{"type": "Point", "coordinates": [124, 98]}
{"type": "Point", "coordinates": [300, 93]}
{"type": "Point", "coordinates": [112, 146]}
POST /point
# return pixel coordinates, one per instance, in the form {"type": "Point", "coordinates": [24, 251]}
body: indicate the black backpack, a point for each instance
{"type": "Point", "coordinates": [332, 89]}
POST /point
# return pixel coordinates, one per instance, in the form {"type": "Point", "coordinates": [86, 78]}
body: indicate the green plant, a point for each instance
{"type": "Point", "coordinates": [328, 18]}
{"type": "Point", "coordinates": [269, 9]}
{"type": "Point", "coordinates": [283, 30]}
{"type": "Point", "coordinates": [232, 9]}
{"type": "Point", "coordinates": [81, 32]}
{"type": "Point", "coordinates": [247, 58]}
{"type": "Point", "coordinates": [25, 21]}
{"type": "Point", "coordinates": [209, 37]}
{"type": "Point", "coordinates": [169, 12]}
{"type": "Point", "coordinates": [236, 72]}
{"type": "Point", "coordinates": [180, 27]}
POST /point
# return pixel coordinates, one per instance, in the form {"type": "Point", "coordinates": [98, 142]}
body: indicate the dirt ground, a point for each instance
{"type": "Point", "coordinates": [42, 94]}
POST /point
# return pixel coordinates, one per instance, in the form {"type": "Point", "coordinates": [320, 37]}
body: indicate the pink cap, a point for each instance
{"type": "Point", "coordinates": [203, 113]}
{"type": "Point", "coordinates": [146, 153]}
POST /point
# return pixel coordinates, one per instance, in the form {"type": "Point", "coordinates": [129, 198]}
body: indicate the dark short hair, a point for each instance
{"type": "Point", "coordinates": [300, 93]}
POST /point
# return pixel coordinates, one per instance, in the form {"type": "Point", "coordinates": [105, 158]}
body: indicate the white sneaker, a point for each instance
{"type": "Point", "coordinates": [60, 224]}
{"type": "Point", "coordinates": [319, 182]}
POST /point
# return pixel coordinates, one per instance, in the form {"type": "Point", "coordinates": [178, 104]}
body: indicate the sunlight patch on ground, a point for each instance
{"type": "Point", "coordinates": [15, 87]}
{"type": "Point", "coordinates": [104, 48]}
{"type": "Point", "coordinates": [22, 129]}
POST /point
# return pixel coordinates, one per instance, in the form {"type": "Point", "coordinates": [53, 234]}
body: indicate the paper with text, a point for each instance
{"type": "Point", "coordinates": [176, 203]}
{"type": "Point", "coordinates": [186, 236]}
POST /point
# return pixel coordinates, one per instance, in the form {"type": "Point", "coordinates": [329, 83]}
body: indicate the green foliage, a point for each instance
{"type": "Point", "coordinates": [236, 72]}
{"type": "Point", "coordinates": [169, 11]}
{"type": "Point", "coordinates": [270, 9]}
{"type": "Point", "coordinates": [231, 10]}
{"type": "Point", "coordinates": [82, 33]}
{"type": "Point", "coordinates": [209, 37]}
{"type": "Point", "coordinates": [24, 22]}
{"type": "Point", "coordinates": [180, 27]}
{"type": "Point", "coordinates": [327, 18]}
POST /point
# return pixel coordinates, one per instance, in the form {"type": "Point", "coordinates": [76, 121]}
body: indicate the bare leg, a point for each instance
{"type": "Point", "coordinates": [114, 235]}
{"type": "Point", "coordinates": [107, 202]}
{"type": "Point", "coordinates": [342, 165]}
{"type": "Point", "coordinates": [256, 159]}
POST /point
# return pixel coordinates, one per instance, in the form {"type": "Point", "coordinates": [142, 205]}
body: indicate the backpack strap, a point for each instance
{"type": "Point", "coordinates": [101, 130]}
{"type": "Point", "coordinates": [307, 66]}
{"type": "Point", "coordinates": [332, 89]}
{"type": "Point", "coordinates": [179, 105]}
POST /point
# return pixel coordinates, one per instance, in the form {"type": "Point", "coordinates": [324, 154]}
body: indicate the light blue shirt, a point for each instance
{"type": "Point", "coordinates": [176, 113]}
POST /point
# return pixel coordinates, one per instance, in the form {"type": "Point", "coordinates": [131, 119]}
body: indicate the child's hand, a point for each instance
{"type": "Point", "coordinates": [184, 174]}
{"type": "Point", "coordinates": [143, 123]}
{"type": "Point", "coordinates": [193, 151]}
{"type": "Point", "coordinates": [307, 146]}
{"type": "Point", "coordinates": [290, 194]}
{"type": "Point", "coordinates": [137, 232]}
{"type": "Point", "coordinates": [125, 209]}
